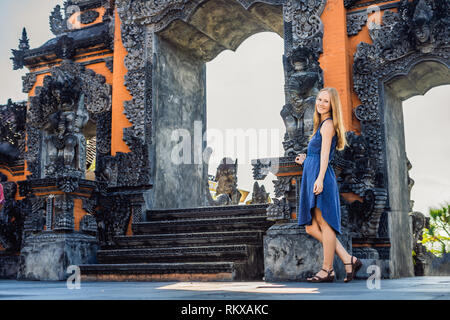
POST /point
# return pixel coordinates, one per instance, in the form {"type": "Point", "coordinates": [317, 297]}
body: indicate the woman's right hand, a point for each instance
{"type": "Point", "coordinates": [300, 158]}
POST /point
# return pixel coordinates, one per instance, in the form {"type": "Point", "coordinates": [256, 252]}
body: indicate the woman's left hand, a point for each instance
{"type": "Point", "coordinates": [318, 186]}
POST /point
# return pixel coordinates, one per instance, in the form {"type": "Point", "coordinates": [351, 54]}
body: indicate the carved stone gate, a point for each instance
{"type": "Point", "coordinates": [156, 52]}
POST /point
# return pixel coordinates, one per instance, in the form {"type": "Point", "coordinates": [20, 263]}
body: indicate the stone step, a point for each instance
{"type": "Point", "coordinates": [185, 271]}
{"type": "Point", "coordinates": [230, 253]}
{"type": "Point", "coordinates": [217, 224]}
{"type": "Point", "coordinates": [206, 212]}
{"type": "Point", "coordinates": [188, 239]}
{"type": "Point", "coordinates": [208, 243]}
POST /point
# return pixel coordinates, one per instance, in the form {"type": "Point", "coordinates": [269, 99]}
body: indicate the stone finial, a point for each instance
{"type": "Point", "coordinates": [24, 41]}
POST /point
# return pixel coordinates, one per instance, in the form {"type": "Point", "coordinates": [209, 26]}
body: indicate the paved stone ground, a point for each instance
{"type": "Point", "coordinates": [416, 288]}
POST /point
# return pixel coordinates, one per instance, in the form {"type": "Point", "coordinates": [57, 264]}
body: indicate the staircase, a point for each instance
{"type": "Point", "coordinates": [194, 244]}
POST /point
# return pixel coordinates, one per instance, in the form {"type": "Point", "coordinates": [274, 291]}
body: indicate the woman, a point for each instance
{"type": "Point", "coordinates": [319, 207]}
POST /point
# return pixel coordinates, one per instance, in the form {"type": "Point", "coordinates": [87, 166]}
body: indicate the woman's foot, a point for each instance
{"type": "Point", "coordinates": [351, 267]}
{"type": "Point", "coordinates": [324, 275]}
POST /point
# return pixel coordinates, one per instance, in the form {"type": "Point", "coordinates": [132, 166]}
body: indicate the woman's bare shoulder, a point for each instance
{"type": "Point", "coordinates": [327, 128]}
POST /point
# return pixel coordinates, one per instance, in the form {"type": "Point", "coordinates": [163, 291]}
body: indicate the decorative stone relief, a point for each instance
{"type": "Point", "coordinates": [12, 133]}
{"type": "Point", "coordinates": [11, 217]}
{"type": "Point", "coordinates": [88, 16]}
{"type": "Point", "coordinates": [417, 31]}
{"type": "Point", "coordinates": [355, 22]}
{"type": "Point", "coordinates": [61, 108]}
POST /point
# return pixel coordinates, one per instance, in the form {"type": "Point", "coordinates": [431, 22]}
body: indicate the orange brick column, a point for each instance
{"type": "Point", "coordinates": [336, 59]}
{"type": "Point", "coordinates": [119, 93]}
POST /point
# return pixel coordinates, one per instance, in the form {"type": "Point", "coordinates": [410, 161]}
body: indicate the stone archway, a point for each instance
{"type": "Point", "coordinates": [409, 55]}
{"type": "Point", "coordinates": [168, 44]}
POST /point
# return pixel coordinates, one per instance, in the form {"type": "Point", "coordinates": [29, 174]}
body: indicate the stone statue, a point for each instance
{"type": "Point", "coordinates": [11, 217]}
{"type": "Point", "coordinates": [226, 177]}
{"type": "Point", "coordinates": [301, 89]}
{"type": "Point", "coordinates": [421, 256]}
{"type": "Point", "coordinates": [259, 195]}
{"type": "Point", "coordinates": [65, 142]}
{"type": "Point", "coordinates": [421, 26]}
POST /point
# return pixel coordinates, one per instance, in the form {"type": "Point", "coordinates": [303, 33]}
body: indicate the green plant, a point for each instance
{"type": "Point", "coordinates": [437, 237]}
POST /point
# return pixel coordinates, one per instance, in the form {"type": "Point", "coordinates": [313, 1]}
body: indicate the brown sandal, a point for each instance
{"type": "Point", "coordinates": [328, 278]}
{"type": "Point", "coordinates": [355, 267]}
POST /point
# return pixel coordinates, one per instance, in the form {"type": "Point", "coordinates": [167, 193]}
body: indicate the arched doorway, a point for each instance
{"type": "Point", "coordinates": [417, 81]}
{"type": "Point", "coordinates": [181, 51]}
{"type": "Point", "coordinates": [244, 95]}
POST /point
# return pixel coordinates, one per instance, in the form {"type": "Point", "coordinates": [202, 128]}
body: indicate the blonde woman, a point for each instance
{"type": "Point", "coordinates": [319, 207]}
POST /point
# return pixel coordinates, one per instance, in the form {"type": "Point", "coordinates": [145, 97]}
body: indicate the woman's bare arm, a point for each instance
{"type": "Point", "coordinates": [327, 131]}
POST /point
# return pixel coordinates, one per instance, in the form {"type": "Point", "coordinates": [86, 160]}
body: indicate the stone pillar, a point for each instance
{"type": "Point", "coordinates": [179, 96]}
{"type": "Point", "coordinates": [52, 241]}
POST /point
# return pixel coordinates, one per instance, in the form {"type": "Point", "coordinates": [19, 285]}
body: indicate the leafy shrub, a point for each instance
{"type": "Point", "coordinates": [437, 237]}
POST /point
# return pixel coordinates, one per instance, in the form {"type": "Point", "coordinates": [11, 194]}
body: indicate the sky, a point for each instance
{"type": "Point", "coordinates": [245, 92]}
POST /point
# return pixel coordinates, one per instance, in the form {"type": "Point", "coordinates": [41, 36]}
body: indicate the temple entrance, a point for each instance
{"type": "Point", "coordinates": [181, 52]}
{"type": "Point", "coordinates": [421, 77]}
{"type": "Point", "coordinates": [244, 95]}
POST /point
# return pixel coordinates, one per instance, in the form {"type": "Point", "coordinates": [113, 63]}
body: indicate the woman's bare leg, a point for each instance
{"type": "Point", "coordinates": [315, 230]}
{"type": "Point", "coordinates": [328, 240]}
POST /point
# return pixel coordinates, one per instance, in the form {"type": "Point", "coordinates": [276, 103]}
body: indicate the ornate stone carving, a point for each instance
{"type": "Point", "coordinates": [355, 23]}
{"type": "Point", "coordinates": [357, 174]}
{"type": "Point", "coordinates": [11, 217]}
{"type": "Point", "coordinates": [259, 195]}
{"type": "Point", "coordinates": [88, 224]}
{"type": "Point", "coordinates": [304, 17]}
{"type": "Point", "coordinates": [61, 108]}
{"type": "Point", "coordinates": [278, 210]}
{"type": "Point", "coordinates": [349, 3]}
{"type": "Point", "coordinates": [64, 218]}
{"type": "Point", "coordinates": [12, 132]}
{"type": "Point", "coordinates": [418, 30]}
{"type": "Point", "coordinates": [58, 24]}
{"type": "Point", "coordinates": [28, 82]}
{"type": "Point", "coordinates": [112, 216]}
{"type": "Point", "coordinates": [18, 55]}
{"type": "Point", "coordinates": [67, 183]}
{"type": "Point", "coordinates": [88, 16]}
{"type": "Point", "coordinates": [304, 78]}
{"type": "Point", "coordinates": [282, 185]}
{"type": "Point", "coordinates": [32, 156]}
{"type": "Point", "coordinates": [260, 169]}
{"type": "Point", "coordinates": [35, 215]}
{"type": "Point", "coordinates": [394, 48]}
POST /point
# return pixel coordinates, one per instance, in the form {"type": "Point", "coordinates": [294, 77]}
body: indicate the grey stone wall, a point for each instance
{"type": "Point", "coordinates": [179, 100]}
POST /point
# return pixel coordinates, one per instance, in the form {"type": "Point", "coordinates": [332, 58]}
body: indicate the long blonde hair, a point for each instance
{"type": "Point", "coordinates": [336, 111]}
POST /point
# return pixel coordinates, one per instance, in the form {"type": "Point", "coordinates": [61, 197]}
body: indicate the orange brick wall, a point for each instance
{"type": "Point", "coordinates": [120, 94]}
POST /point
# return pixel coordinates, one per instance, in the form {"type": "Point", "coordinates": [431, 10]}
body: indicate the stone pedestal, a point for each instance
{"type": "Point", "coordinates": [290, 254]}
{"type": "Point", "coordinates": [9, 263]}
{"type": "Point", "coordinates": [47, 255]}
{"type": "Point", "coordinates": [372, 263]}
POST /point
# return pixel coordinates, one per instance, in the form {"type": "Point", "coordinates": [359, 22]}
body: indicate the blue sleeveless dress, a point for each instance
{"type": "Point", "coordinates": [328, 200]}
